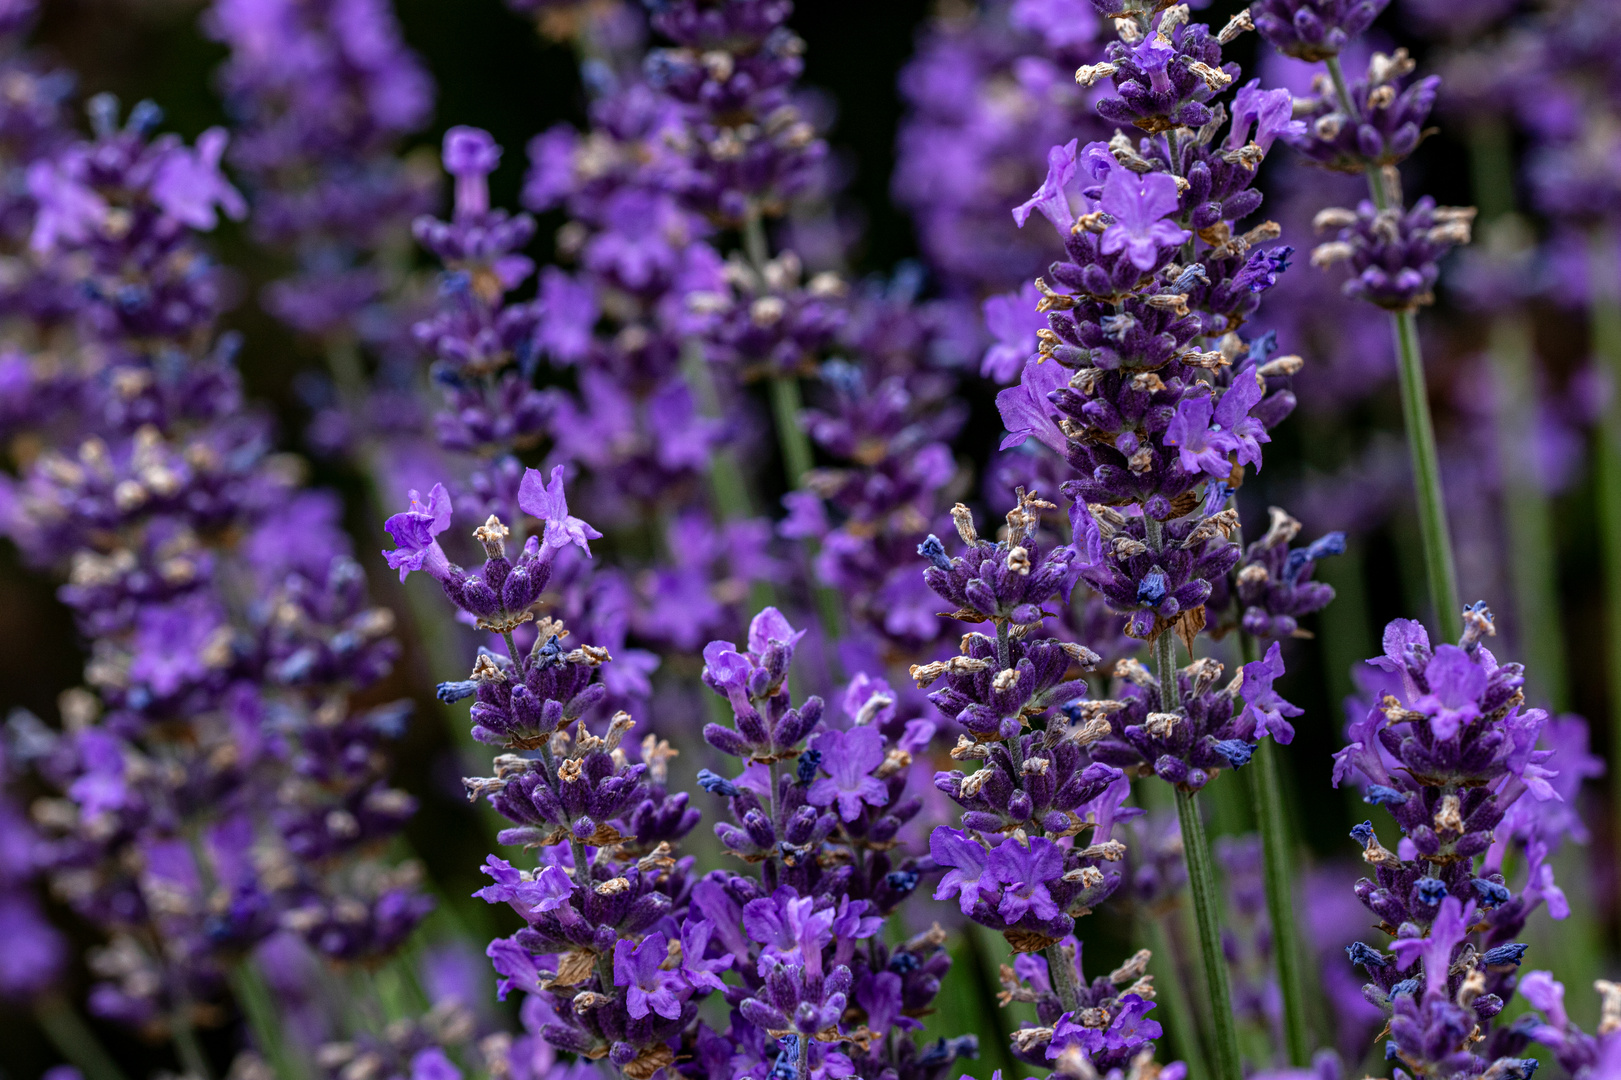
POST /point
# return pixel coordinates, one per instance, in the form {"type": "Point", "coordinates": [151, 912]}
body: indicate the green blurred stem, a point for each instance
{"type": "Point", "coordinates": [1606, 334]}
{"type": "Point", "coordinates": [75, 1040]}
{"type": "Point", "coordinates": [791, 435]}
{"type": "Point", "coordinates": [186, 1045]}
{"type": "Point", "coordinates": [1173, 989]}
{"type": "Point", "coordinates": [1533, 562]}
{"type": "Point", "coordinates": [1434, 535]}
{"type": "Point", "coordinates": [726, 482]}
{"type": "Point", "coordinates": [1278, 874]}
{"type": "Point", "coordinates": [1207, 916]}
{"type": "Point", "coordinates": [259, 1008]}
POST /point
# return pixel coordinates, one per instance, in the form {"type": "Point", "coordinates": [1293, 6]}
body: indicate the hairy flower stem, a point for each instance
{"type": "Point", "coordinates": [1278, 871]}
{"type": "Point", "coordinates": [1061, 971]}
{"type": "Point", "coordinates": [1605, 316]}
{"type": "Point", "coordinates": [1207, 916]}
{"type": "Point", "coordinates": [75, 1040]}
{"type": "Point", "coordinates": [1434, 534]}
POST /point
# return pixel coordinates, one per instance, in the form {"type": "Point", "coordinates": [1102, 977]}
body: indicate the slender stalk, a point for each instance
{"type": "Point", "coordinates": [1439, 570]}
{"type": "Point", "coordinates": [1207, 917]}
{"type": "Point", "coordinates": [75, 1040]}
{"type": "Point", "coordinates": [726, 481]}
{"type": "Point", "coordinates": [1172, 987]}
{"type": "Point", "coordinates": [1061, 971]}
{"type": "Point", "coordinates": [186, 1045]}
{"type": "Point", "coordinates": [1605, 318]}
{"type": "Point", "coordinates": [1278, 875]}
{"type": "Point", "coordinates": [802, 1066]}
{"type": "Point", "coordinates": [1434, 533]}
{"type": "Point", "coordinates": [259, 1009]}
{"type": "Point", "coordinates": [797, 459]}
{"type": "Point", "coordinates": [1533, 551]}
{"type": "Point", "coordinates": [791, 435]}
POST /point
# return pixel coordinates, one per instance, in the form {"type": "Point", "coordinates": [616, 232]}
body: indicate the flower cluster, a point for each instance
{"type": "Point", "coordinates": [1448, 750]}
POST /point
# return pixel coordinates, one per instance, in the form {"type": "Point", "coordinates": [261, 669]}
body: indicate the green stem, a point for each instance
{"type": "Point", "coordinates": [1432, 520]}
{"type": "Point", "coordinates": [1533, 551]}
{"type": "Point", "coordinates": [1061, 971]}
{"type": "Point", "coordinates": [726, 481]}
{"type": "Point", "coordinates": [1434, 534]}
{"type": "Point", "coordinates": [1605, 318]}
{"type": "Point", "coordinates": [1170, 695]}
{"type": "Point", "coordinates": [1277, 873]}
{"type": "Point", "coordinates": [1179, 1011]}
{"type": "Point", "coordinates": [186, 1045]}
{"type": "Point", "coordinates": [75, 1040]}
{"type": "Point", "coordinates": [1533, 562]}
{"type": "Point", "coordinates": [791, 435]}
{"type": "Point", "coordinates": [1207, 915]}
{"type": "Point", "coordinates": [259, 1009]}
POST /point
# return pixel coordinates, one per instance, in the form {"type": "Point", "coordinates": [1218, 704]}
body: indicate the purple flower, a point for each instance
{"type": "Point", "coordinates": [849, 757]}
{"type": "Point", "coordinates": [1025, 409]}
{"type": "Point", "coordinates": [1269, 111]}
{"type": "Point", "coordinates": [569, 313]}
{"type": "Point", "coordinates": [1261, 701]}
{"type": "Point", "coordinates": [471, 155]}
{"type": "Point", "coordinates": [1013, 320]}
{"type": "Point", "coordinates": [969, 872]}
{"type": "Point", "coordinates": [1131, 1027]}
{"type": "Point", "coordinates": [69, 211]}
{"type": "Point", "coordinates": [636, 966]}
{"type": "Point", "coordinates": [880, 995]}
{"type": "Point", "coordinates": [699, 972]}
{"type": "Point", "coordinates": [1138, 206]}
{"type": "Point", "coordinates": [1026, 870]}
{"type": "Point", "coordinates": [414, 531]}
{"type": "Point", "coordinates": [1205, 433]}
{"type": "Point", "coordinates": [1050, 199]}
{"type": "Point", "coordinates": [189, 184]}
{"type": "Point", "coordinates": [790, 928]}
{"type": "Point", "coordinates": [547, 502]}
{"type": "Point", "coordinates": [1198, 446]}
{"type": "Point", "coordinates": [1456, 683]}
{"type": "Point", "coordinates": [1451, 925]}
{"type": "Point", "coordinates": [432, 1064]}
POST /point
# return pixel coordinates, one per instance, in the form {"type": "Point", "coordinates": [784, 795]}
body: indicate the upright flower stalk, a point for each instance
{"type": "Point", "coordinates": [1369, 127]}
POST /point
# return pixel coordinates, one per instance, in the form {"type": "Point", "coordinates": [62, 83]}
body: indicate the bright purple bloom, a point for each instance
{"type": "Point", "coordinates": [1025, 409]}
{"type": "Point", "coordinates": [1013, 320]}
{"type": "Point", "coordinates": [636, 966]}
{"type": "Point", "coordinates": [414, 531]}
{"type": "Point", "coordinates": [1456, 683]}
{"type": "Point", "coordinates": [701, 973]}
{"type": "Point", "coordinates": [545, 500]}
{"type": "Point", "coordinates": [189, 184]}
{"type": "Point", "coordinates": [432, 1064]}
{"type": "Point", "coordinates": [969, 873]}
{"type": "Point", "coordinates": [1139, 206]}
{"type": "Point", "coordinates": [1050, 197]}
{"type": "Point", "coordinates": [849, 757]}
{"type": "Point", "coordinates": [1026, 870]}
{"type": "Point", "coordinates": [1262, 703]}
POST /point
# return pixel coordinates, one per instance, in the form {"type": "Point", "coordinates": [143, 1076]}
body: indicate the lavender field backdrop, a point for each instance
{"type": "Point", "coordinates": [554, 539]}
